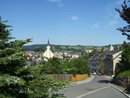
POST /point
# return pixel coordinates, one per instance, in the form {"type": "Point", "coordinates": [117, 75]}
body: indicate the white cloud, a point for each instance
{"type": "Point", "coordinates": [55, 0]}
{"type": "Point", "coordinates": [111, 23]}
{"type": "Point", "coordinates": [95, 26]}
{"type": "Point", "coordinates": [74, 18]}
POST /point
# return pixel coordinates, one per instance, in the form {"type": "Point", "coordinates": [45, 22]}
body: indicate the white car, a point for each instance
{"type": "Point", "coordinates": [94, 73]}
{"type": "Point", "coordinates": [113, 76]}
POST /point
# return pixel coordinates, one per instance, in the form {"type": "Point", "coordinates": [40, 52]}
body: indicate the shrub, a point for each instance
{"type": "Point", "coordinates": [125, 74]}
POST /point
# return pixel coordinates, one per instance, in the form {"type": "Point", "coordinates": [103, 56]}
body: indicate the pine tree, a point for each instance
{"type": "Point", "coordinates": [12, 61]}
{"type": "Point", "coordinates": [124, 64]}
{"type": "Point", "coordinates": [125, 15]}
{"type": "Point", "coordinates": [18, 81]}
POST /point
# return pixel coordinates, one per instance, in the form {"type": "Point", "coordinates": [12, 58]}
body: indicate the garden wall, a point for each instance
{"type": "Point", "coordinates": [70, 77]}
{"type": "Point", "coordinates": [123, 81]}
{"type": "Point", "coordinates": [79, 77]}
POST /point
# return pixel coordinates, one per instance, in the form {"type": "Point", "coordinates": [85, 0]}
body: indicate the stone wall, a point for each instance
{"type": "Point", "coordinates": [123, 82]}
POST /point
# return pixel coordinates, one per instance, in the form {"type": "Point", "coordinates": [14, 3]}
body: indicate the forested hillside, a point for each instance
{"type": "Point", "coordinates": [42, 47]}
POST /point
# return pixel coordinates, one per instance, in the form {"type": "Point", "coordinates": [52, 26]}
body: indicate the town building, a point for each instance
{"type": "Point", "coordinates": [88, 51]}
{"type": "Point", "coordinates": [95, 62]}
{"type": "Point", "coordinates": [102, 62]}
{"type": "Point", "coordinates": [48, 53]}
{"type": "Point", "coordinates": [58, 55]}
{"type": "Point", "coordinates": [111, 61]}
{"type": "Point", "coordinates": [106, 62]}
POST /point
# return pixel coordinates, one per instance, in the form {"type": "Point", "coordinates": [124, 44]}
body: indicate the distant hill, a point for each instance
{"type": "Point", "coordinates": [42, 47]}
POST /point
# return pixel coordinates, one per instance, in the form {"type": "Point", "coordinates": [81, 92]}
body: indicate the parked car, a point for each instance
{"type": "Point", "coordinates": [99, 74]}
{"type": "Point", "coordinates": [113, 76]}
{"type": "Point", "coordinates": [94, 73]}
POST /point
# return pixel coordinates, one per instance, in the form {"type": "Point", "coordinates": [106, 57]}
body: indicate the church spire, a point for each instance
{"type": "Point", "coordinates": [48, 42]}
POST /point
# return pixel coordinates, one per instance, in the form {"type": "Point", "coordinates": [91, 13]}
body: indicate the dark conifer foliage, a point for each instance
{"type": "Point", "coordinates": [12, 83]}
{"type": "Point", "coordinates": [125, 15]}
{"type": "Point", "coordinates": [124, 64]}
{"type": "Point", "coordinates": [16, 79]}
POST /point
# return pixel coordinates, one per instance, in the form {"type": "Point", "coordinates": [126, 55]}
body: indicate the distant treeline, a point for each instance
{"type": "Point", "coordinates": [54, 48]}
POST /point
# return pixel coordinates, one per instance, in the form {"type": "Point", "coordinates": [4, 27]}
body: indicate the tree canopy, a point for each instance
{"type": "Point", "coordinates": [17, 80]}
{"type": "Point", "coordinates": [78, 65]}
{"type": "Point", "coordinates": [125, 15]}
{"type": "Point", "coordinates": [12, 64]}
{"type": "Point", "coordinates": [124, 64]}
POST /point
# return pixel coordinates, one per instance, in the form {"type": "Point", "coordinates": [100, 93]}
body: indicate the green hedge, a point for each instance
{"type": "Point", "coordinates": [125, 74]}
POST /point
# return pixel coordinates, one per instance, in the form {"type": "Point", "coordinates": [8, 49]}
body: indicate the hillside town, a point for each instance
{"type": "Point", "coordinates": [87, 57]}
{"type": "Point", "coordinates": [105, 62]}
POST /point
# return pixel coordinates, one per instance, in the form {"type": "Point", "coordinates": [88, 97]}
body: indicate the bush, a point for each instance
{"type": "Point", "coordinates": [79, 66]}
{"type": "Point", "coordinates": [125, 74]}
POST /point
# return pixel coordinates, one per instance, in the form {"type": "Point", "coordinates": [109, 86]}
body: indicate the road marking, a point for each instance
{"type": "Point", "coordinates": [93, 91]}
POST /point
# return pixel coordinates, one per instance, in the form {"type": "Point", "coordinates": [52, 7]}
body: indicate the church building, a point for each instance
{"type": "Point", "coordinates": [111, 48]}
{"type": "Point", "coordinates": [48, 53]}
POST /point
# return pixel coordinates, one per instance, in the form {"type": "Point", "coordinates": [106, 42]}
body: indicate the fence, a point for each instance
{"type": "Point", "coordinates": [60, 77]}
{"type": "Point", "coordinates": [80, 77]}
{"type": "Point", "coordinates": [70, 77]}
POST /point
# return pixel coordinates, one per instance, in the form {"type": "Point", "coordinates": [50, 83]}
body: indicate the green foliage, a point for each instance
{"type": "Point", "coordinates": [125, 74]}
{"type": "Point", "coordinates": [17, 80]}
{"type": "Point", "coordinates": [125, 15]}
{"type": "Point", "coordinates": [123, 68]}
{"type": "Point", "coordinates": [85, 56]}
{"type": "Point", "coordinates": [43, 60]}
{"type": "Point", "coordinates": [37, 70]}
{"type": "Point", "coordinates": [42, 85]}
{"type": "Point", "coordinates": [52, 70]}
{"type": "Point", "coordinates": [55, 48]}
{"type": "Point", "coordinates": [58, 47]}
{"type": "Point", "coordinates": [10, 80]}
{"type": "Point", "coordinates": [92, 53]}
{"type": "Point", "coordinates": [37, 49]}
{"type": "Point", "coordinates": [79, 66]}
{"type": "Point", "coordinates": [54, 62]}
{"type": "Point", "coordinates": [124, 64]}
{"type": "Point", "coordinates": [11, 60]}
{"type": "Point", "coordinates": [54, 66]}
{"type": "Point", "coordinates": [124, 44]}
{"type": "Point", "coordinates": [45, 84]}
{"type": "Point", "coordinates": [68, 65]}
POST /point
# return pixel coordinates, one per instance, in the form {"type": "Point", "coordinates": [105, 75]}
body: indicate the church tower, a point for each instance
{"type": "Point", "coordinates": [111, 48]}
{"type": "Point", "coordinates": [48, 45]}
{"type": "Point", "coordinates": [48, 53]}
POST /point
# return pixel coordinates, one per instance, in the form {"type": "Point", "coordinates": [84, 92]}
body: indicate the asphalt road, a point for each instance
{"type": "Point", "coordinates": [98, 88]}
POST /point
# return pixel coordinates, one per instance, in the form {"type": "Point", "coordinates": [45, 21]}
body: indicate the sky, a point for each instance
{"type": "Point", "coordinates": [64, 22]}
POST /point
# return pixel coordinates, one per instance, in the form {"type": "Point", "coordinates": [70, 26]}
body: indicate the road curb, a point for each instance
{"type": "Point", "coordinates": [117, 88]}
{"type": "Point", "coordinates": [84, 81]}
{"type": "Point", "coordinates": [120, 90]}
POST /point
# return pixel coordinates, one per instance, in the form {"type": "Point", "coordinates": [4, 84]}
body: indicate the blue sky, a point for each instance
{"type": "Point", "coordinates": [65, 22]}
